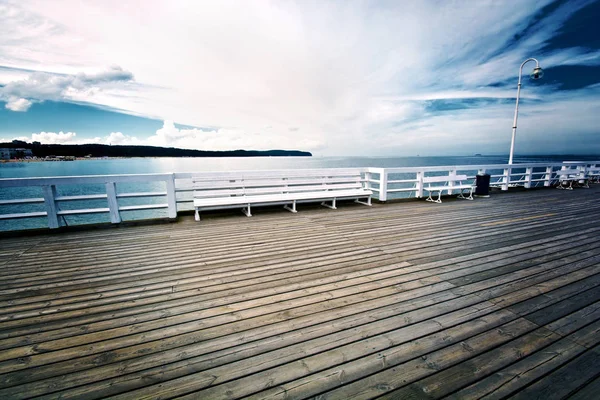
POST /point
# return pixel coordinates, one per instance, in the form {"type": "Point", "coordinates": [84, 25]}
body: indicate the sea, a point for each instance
{"type": "Point", "coordinates": [167, 165]}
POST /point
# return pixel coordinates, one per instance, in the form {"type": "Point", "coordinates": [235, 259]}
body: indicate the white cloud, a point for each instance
{"type": "Point", "coordinates": [118, 138]}
{"type": "Point", "coordinates": [54, 138]}
{"type": "Point", "coordinates": [18, 104]}
{"type": "Point", "coordinates": [40, 86]}
{"type": "Point", "coordinates": [333, 77]}
{"type": "Point", "coordinates": [171, 136]}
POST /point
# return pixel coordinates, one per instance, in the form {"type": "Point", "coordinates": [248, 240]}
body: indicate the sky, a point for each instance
{"type": "Point", "coordinates": [336, 78]}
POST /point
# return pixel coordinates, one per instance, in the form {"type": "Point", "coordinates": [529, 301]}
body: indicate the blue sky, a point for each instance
{"type": "Point", "coordinates": [373, 78]}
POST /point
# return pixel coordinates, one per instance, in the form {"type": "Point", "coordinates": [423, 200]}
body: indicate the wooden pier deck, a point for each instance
{"type": "Point", "coordinates": [492, 298]}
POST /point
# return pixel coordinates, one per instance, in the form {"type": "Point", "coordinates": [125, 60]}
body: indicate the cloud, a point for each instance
{"type": "Point", "coordinates": [118, 138]}
{"type": "Point", "coordinates": [18, 104]}
{"type": "Point", "coordinates": [337, 77]}
{"type": "Point", "coordinates": [171, 136]}
{"type": "Point", "coordinates": [227, 139]}
{"type": "Point", "coordinates": [54, 138]}
{"type": "Point", "coordinates": [40, 86]}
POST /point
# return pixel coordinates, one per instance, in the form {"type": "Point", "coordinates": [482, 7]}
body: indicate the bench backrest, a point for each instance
{"type": "Point", "coordinates": [566, 173]}
{"type": "Point", "coordinates": [275, 182]}
{"type": "Point", "coordinates": [444, 178]}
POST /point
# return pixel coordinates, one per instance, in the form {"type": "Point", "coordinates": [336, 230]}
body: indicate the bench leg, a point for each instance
{"type": "Point", "coordinates": [332, 206]}
{"type": "Point", "coordinates": [293, 208]}
{"type": "Point", "coordinates": [462, 196]}
{"type": "Point", "coordinates": [563, 185]}
{"type": "Point", "coordinates": [367, 203]}
{"type": "Point", "coordinates": [246, 211]}
{"type": "Point", "coordinates": [197, 215]}
{"type": "Point", "coordinates": [438, 200]}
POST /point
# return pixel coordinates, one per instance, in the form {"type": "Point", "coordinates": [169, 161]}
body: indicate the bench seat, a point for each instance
{"type": "Point", "coordinates": [447, 183]}
{"type": "Point", "coordinates": [438, 188]}
{"type": "Point", "coordinates": [593, 174]}
{"type": "Point", "coordinates": [282, 197]}
{"type": "Point", "coordinates": [287, 188]}
{"type": "Point", "coordinates": [570, 177]}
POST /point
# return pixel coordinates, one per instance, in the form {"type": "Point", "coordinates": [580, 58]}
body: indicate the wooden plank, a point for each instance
{"type": "Point", "coordinates": [304, 384]}
{"type": "Point", "coordinates": [566, 380]}
{"type": "Point", "coordinates": [40, 355]}
{"type": "Point", "coordinates": [449, 380]}
{"type": "Point", "coordinates": [256, 341]}
{"type": "Point", "coordinates": [347, 371]}
{"type": "Point", "coordinates": [514, 377]}
{"type": "Point", "coordinates": [589, 391]}
{"type": "Point", "coordinates": [260, 292]}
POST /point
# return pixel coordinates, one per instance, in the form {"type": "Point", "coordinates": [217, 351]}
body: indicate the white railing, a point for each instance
{"type": "Point", "coordinates": [386, 183]}
{"type": "Point", "coordinates": [52, 200]}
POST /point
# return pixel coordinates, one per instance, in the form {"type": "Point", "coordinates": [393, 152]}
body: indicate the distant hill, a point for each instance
{"type": "Point", "coordinates": [103, 150]}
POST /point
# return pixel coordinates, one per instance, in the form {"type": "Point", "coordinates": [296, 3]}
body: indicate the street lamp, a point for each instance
{"type": "Point", "coordinates": [537, 73]}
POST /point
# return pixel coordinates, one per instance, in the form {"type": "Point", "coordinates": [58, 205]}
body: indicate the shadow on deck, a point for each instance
{"type": "Point", "coordinates": [490, 298]}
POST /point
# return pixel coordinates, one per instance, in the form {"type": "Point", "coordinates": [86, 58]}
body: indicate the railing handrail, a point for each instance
{"type": "Point", "coordinates": [473, 167]}
{"type": "Point", "coordinates": [380, 185]}
{"type": "Point", "coordinates": [86, 179]}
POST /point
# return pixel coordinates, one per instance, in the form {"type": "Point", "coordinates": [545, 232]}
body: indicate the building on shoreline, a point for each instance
{"type": "Point", "coordinates": [7, 153]}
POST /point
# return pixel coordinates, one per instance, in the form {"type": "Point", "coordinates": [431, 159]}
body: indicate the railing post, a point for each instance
{"type": "Point", "coordinates": [171, 199]}
{"type": "Point", "coordinates": [50, 202]}
{"type": "Point", "coordinates": [113, 204]}
{"type": "Point", "coordinates": [451, 174]}
{"type": "Point", "coordinates": [419, 184]}
{"type": "Point", "coordinates": [548, 176]}
{"type": "Point", "coordinates": [367, 184]}
{"type": "Point", "coordinates": [506, 178]}
{"type": "Point", "coordinates": [528, 176]}
{"type": "Point", "coordinates": [383, 179]}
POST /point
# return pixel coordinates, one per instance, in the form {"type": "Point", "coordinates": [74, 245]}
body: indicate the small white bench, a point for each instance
{"type": "Point", "coordinates": [593, 174]}
{"type": "Point", "coordinates": [449, 183]}
{"type": "Point", "coordinates": [288, 188]}
{"type": "Point", "coordinates": [569, 177]}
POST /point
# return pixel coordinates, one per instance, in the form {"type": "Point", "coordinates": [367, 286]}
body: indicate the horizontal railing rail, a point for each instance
{"type": "Point", "coordinates": [177, 188]}
{"type": "Point", "coordinates": [52, 200]}
{"type": "Point", "coordinates": [391, 183]}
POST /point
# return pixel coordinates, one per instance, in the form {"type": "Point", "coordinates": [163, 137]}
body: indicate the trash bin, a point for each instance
{"type": "Point", "coordinates": [482, 183]}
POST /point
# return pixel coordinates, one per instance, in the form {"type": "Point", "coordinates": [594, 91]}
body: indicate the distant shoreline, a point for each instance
{"type": "Point", "coordinates": [96, 151]}
{"type": "Point", "coordinates": [124, 158]}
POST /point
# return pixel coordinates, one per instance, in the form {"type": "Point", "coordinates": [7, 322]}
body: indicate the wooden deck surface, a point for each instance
{"type": "Point", "coordinates": [492, 298]}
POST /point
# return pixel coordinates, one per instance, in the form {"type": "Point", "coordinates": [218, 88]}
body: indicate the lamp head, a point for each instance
{"type": "Point", "coordinates": [537, 73]}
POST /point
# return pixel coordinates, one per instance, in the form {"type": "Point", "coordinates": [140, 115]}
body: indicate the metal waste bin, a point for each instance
{"type": "Point", "coordinates": [482, 183]}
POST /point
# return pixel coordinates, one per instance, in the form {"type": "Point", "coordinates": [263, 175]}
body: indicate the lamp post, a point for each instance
{"type": "Point", "coordinates": [537, 73]}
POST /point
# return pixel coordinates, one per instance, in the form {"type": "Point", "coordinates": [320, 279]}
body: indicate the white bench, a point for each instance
{"type": "Point", "coordinates": [571, 176]}
{"type": "Point", "coordinates": [288, 188]}
{"type": "Point", "coordinates": [447, 182]}
{"type": "Point", "coordinates": [593, 174]}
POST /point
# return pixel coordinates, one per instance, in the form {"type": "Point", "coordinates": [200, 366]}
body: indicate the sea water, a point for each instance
{"type": "Point", "coordinates": [168, 165]}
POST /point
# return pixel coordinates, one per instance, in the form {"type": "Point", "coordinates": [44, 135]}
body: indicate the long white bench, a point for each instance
{"type": "Point", "coordinates": [448, 183]}
{"type": "Point", "coordinates": [568, 177]}
{"type": "Point", "coordinates": [287, 188]}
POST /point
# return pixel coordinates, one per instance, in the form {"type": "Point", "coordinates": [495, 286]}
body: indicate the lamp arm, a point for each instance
{"type": "Point", "coordinates": [537, 64]}
{"type": "Point", "coordinates": [514, 128]}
